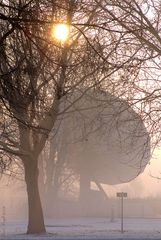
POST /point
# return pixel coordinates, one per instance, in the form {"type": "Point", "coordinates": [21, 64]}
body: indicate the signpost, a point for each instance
{"type": "Point", "coordinates": [122, 195]}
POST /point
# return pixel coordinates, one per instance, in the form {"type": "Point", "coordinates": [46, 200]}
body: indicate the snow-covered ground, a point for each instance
{"type": "Point", "coordinates": [87, 228]}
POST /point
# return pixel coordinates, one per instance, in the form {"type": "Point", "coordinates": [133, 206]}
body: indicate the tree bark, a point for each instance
{"type": "Point", "coordinates": [35, 213]}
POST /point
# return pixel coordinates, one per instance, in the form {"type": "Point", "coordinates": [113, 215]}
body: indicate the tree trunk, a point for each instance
{"type": "Point", "coordinates": [35, 213]}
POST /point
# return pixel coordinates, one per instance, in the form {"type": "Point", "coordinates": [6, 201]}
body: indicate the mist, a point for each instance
{"type": "Point", "coordinates": [143, 199]}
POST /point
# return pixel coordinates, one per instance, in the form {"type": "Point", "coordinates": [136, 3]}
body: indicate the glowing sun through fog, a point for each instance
{"type": "Point", "coordinates": [60, 32]}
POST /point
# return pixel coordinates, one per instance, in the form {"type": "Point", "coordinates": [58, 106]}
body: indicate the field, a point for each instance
{"type": "Point", "coordinates": [87, 228]}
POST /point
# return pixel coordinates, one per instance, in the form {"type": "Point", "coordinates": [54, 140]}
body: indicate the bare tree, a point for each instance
{"type": "Point", "coordinates": [39, 75]}
{"type": "Point", "coordinates": [141, 21]}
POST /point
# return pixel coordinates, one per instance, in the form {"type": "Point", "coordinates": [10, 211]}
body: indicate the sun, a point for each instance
{"type": "Point", "coordinates": [60, 32]}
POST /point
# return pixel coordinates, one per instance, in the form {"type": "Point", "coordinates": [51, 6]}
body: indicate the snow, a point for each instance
{"type": "Point", "coordinates": [86, 228]}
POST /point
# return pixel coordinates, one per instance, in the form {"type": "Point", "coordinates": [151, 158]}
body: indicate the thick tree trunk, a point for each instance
{"type": "Point", "coordinates": [35, 213]}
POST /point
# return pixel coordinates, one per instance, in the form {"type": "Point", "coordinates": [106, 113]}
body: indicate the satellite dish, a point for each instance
{"type": "Point", "coordinates": [104, 137]}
